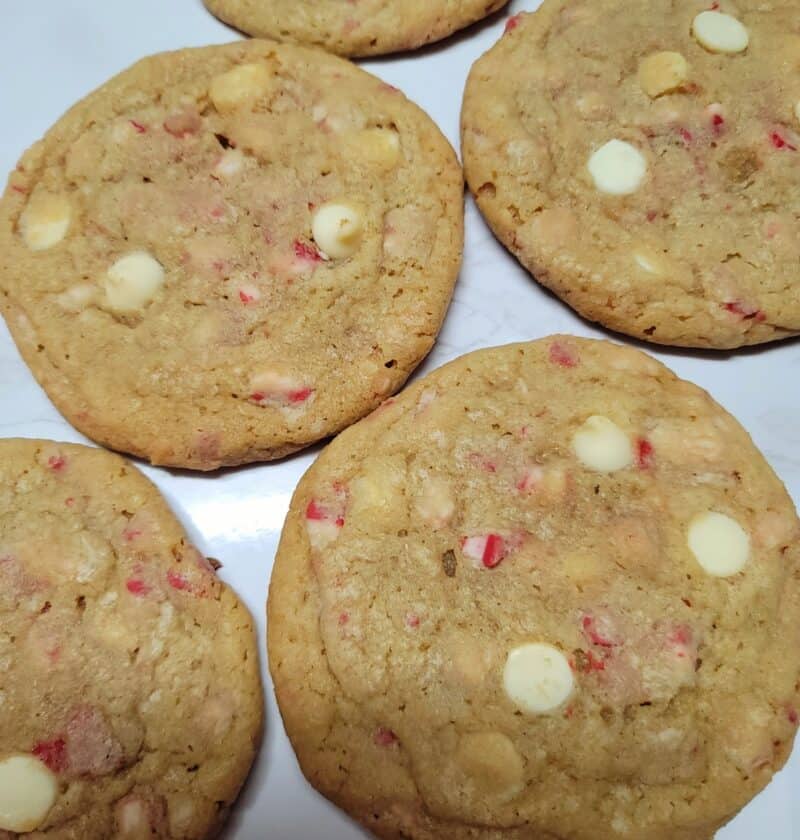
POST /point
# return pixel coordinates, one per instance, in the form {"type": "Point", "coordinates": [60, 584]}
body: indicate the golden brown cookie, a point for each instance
{"type": "Point", "coordinates": [549, 591]}
{"type": "Point", "coordinates": [642, 160]}
{"type": "Point", "coordinates": [225, 254]}
{"type": "Point", "coordinates": [130, 690]}
{"type": "Point", "coordinates": [353, 27]}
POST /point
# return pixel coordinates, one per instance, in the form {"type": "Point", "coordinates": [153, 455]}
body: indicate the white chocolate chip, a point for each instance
{"type": "Point", "coordinates": [240, 86]}
{"type": "Point", "coordinates": [647, 262]}
{"type": "Point", "coordinates": [601, 445]}
{"type": "Point", "coordinates": [436, 504]}
{"type": "Point", "coordinates": [28, 791]}
{"type": "Point", "coordinates": [229, 164]}
{"type": "Point", "coordinates": [537, 678]}
{"type": "Point", "coordinates": [379, 146]}
{"type": "Point", "coordinates": [720, 544]}
{"type": "Point", "coordinates": [45, 221]}
{"type": "Point", "coordinates": [337, 229]}
{"type": "Point", "coordinates": [720, 33]}
{"type": "Point", "coordinates": [617, 168]}
{"type": "Point", "coordinates": [662, 72]}
{"type": "Point", "coordinates": [77, 297]}
{"type": "Point", "coordinates": [132, 282]}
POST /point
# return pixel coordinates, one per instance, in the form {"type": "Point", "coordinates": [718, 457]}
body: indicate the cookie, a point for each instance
{"type": "Point", "coordinates": [642, 160]}
{"type": "Point", "coordinates": [355, 27]}
{"type": "Point", "coordinates": [549, 591]}
{"type": "Point", "coordinates": [225, 254]}
{"type": "Point", "coordinates": [130, 696]}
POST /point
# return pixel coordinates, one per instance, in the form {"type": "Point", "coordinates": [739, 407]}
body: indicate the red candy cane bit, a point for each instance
{"type": "Point", "coordinates": [19, 189]}
{"type": "Point", "coordinates": [791, 714]}
{"type": "Point", "coordinates": [494, 552]}
{"type": "Point", "coordinates": [512, 23]}
{"type": "Point", "coordinates": [686, 135]}
{"type": "Point", "coordinates": [385, 737]}
{"type": "Point", "coordinates": [300, 395]}
{"type": "Point", "coordinates": [52, 753]}
{"type": "Point", "coordinates": [412, 620]}
{"type": "Point", "coordinates": [177, 581]}
{"type": "Point", "coordinates": [314, 511]}
{"type": "Point", "coordinates": [644, 454]}
{"type": "Point", "coordinates": [563, 354]}
{"type": "Point", "coordinates": [56, 462]}
{"type": "Point", "coordinates": [780, 142]}
{"type": "Point", "coordinates": [131, 534]}
{"type": "Point", "coordinates": [244, 297]}
{"type": "Point", "coordinates": [743, 311]}
{"type": "Point", "coordinates": [305, 251]}
{"type": "Point", "coordinates": [344, 617]}
{"type": "Point", "coordinates": [594, 636]}
{"type": "Point", "coordinates": [137, 587]}
{"type": "Point", "coordinates": [138, 127]}
{"type": "Point", "coordinates": [717, 121]}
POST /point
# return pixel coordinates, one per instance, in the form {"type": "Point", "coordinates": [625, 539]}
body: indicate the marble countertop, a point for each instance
{"type": "Point", "coordinates": [53, 54]}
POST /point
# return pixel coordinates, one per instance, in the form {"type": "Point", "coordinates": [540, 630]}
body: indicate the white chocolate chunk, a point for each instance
{"type": "Point", "coordinates": [662, 72]}
{"type": "Point", "coordinates": [617, 168]}
{"type": "Point", "coordinates": [28, 790]}
{"type": "Point", "coordinates": [601, 445]}
{"type": "Point", "coordinates": [337, 229]}
{"type": "Point", "coordinates": [379, 146]}
{"type": "Point", "coordinates": [240, 86]}
{"type": "Point", "coordinates": [45, 221]}
{"type": "Point", "coordinates": [537, 678]}
{"type": "Point", "coordinates": [436, 504]}
{"type": "Point", "coordinates": [647, 262]}
{"type": "Point", "coordinates": [77, 297]}
{"type": "Point", "coordinates": [720, 33]}
{"type": "Point", "coordinates": [132, 282]}
{"type": "Point", "coordinates": [229, 164]}
{"type": "Point", "coordinates": [720, 544]}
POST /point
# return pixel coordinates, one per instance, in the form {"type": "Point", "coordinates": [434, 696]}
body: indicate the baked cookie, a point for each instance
{"type": "Point", "coordinates": [549, 591]}
{"type": "Point", "coordinates": [353, 27]}
{"type": "Point", "coordinates": [642, 159]}
{"type": "Point", "coordinates": [225, 254]}
{"type": "Point", "coordinates": [130, 692]}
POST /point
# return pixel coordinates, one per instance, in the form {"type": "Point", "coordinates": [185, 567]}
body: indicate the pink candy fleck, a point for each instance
{"type": "Point", "coordinates": [512, 23]}
{"type": "Point", "coordinates": [717, 121]}
{"type": "Point", "coordinates": [412, 620]}
{"type": "Point", "coordinates": [686, 135]}
{"type": "Point", "coordinates": [299, 395]}
{"type": "Point", "coordinates": [318, 512]}
{"type": "Point", "coordinates": [244, 297]}
{"type": "Point", "coordinates": [644, 454]}
{"type": "Point", "coordinates": [595, 636]}
{"type": "Point", "coordinates": [384, 737]}
{"type": "Point", "coordinates": [344, 617]}
{"type": "Point", "coordinates": [791, 714]}
{"type": "Point", "coordinates": [177, 581]}
{"type": "Point", "coordinates": [130, 534]}
{"type": "Point", "coordinates": [52, 753]}
{"type": "Point", "coordinates": [138, 127]}
{"type": "Point", "coordinates": [56, 462]}
{"type": "Point", "coordinates": [137, 587]}
{"type": "Point", "coordinates": [563, 354]}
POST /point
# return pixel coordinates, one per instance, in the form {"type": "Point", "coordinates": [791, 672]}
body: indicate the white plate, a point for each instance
{"type": "Point", "coordinates": [56, 51]}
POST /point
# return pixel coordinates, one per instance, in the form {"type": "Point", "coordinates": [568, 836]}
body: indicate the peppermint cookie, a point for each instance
{"type": "Point", "coordinates": [226, 254]}
{"type": "Point", "coordinates": [130, 696]}
{"type": "Point", "coordinates": [354, 27]}
{"type": "Point", "coordinates": [642, 160]}
{"type": "Point", "coordinates": [550, 591]}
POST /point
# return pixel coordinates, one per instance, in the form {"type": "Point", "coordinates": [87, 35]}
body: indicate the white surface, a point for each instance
{"type": "Point", "coordinates": [54, 53]}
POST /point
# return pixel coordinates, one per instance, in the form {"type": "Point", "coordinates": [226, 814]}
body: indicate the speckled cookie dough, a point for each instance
{"type": "Point", "coordinates": [225, 254]}
{"type": "Point", "coordinates": [353, 27]}
{"type": "Point", "coordinates": [130, 691]}
{"type": "Point", "coordinates": [642, 160]}
{"type": "Point", "coordinates": [550, 591]}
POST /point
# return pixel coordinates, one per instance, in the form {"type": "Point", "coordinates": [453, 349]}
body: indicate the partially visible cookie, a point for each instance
{"type": "Point", "coordinates": [225, 254]}
{"type": "Point", "coordinates": [549, 591]}
{"type": "Point", "coordinates": [130, 690]}
{"type": "Point", "coordinates": [642, 160]}
{"type": "Point", "coordinates": [353, 27]}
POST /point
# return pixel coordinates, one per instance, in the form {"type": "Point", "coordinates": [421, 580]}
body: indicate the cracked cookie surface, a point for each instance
{"type": "Point", "coordinates": [353, 27]}
{"type": "Point", "coordinates": [548, 591]}
{"type": "Point", "coordinates": [130, 690]}
{"type": "Point", "coordinates": [225, 254]}
{"type": "Point", "coordinates": [642, 160]}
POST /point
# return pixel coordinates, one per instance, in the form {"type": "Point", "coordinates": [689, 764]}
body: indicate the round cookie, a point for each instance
{"type": "Point", "coordinates": [225, 254]}
{"type": "Point", "coordinates": [353, 27]}
{"type": "Point", "coordinates": [549, 591]}
{"type": "Point", "coordinates": [130, 694]}
{"type": "Point", "coordinates": [642, 160]}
